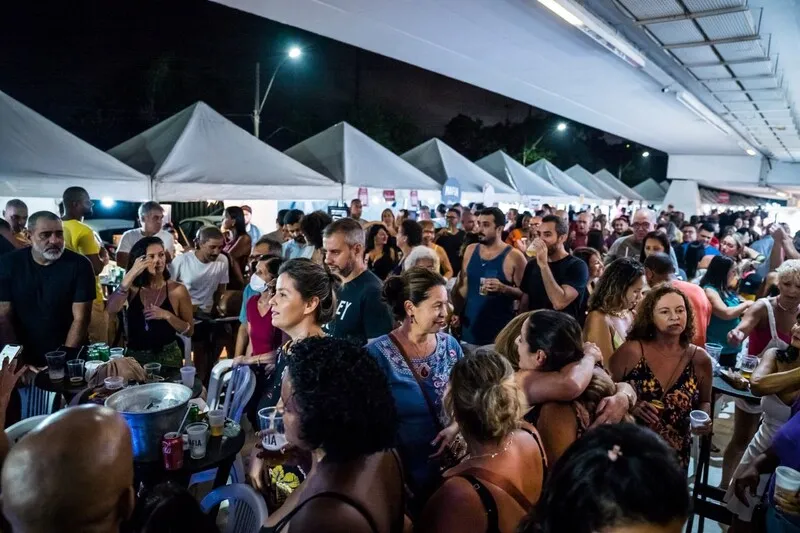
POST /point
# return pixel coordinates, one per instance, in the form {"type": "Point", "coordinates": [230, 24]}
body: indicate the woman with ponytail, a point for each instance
{"type": "Point", "coordinates": [501, 478]}
{"type": "Point", "coordinates": [417, 358]}
{"type": "Point", "coordinates": [304, 300]}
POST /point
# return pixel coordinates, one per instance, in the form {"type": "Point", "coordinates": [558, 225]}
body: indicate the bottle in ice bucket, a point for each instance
{"type": "Point", "coordinates": [194, 414]}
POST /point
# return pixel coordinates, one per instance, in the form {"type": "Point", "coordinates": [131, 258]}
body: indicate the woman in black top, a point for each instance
{"type": "Point", "coordinates": [158, 309]}
{"type": "Point", "coordinates": [338, 406]}
{"type": "Point", "coordinates": [382, 255]}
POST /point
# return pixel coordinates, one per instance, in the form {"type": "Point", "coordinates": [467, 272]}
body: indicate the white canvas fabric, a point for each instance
{"type": "Point", "coordinates": [349, 157]}
{"type": "Point", "coordinates": [609, 179]}
{"type": "Point", "coordinates": [650, 190]}
{"type": "Point", "coordinates": [685, 196]}
{"type": "Point", "coordinates": [40, 159]}
{"type": "Point", "coordinates": [439, 161]}
{"type": "Point", "coordinates": [587, 179]}
{"type": "Point", "coordinates": [555, 176]}
{"type": "Point", "coordinates": [507, 169]}
{"type": "Point", "coordinates": [197, 154]}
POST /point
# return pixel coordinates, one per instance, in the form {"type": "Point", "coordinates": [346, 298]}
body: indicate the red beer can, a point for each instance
{"type": "Point", "coordinates": [172, 449]}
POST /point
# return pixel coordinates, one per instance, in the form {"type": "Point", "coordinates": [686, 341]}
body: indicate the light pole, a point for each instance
{"type": "Point", "coordinates": [562, 126]}
{"type": "Point", "coordinates": [293, 53]}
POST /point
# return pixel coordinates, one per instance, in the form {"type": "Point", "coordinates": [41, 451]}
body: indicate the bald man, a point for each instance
{"type": "Point", "coordinates": [72, 474]}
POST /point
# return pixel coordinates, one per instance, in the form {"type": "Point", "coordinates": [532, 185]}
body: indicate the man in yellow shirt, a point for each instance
{"type": "Point", "coordinates": [79, 238]}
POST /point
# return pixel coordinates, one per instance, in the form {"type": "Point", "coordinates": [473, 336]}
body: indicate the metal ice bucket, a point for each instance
{"type": "Point", "coordinates": [151, 411]}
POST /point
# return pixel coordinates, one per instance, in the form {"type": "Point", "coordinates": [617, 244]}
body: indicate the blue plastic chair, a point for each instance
{"type": "Point", "coordinates": [36, 401]}
{"type": "Point", "coordinates": [239, 388]}
{"type": "Point", "coordinates": [247, 511]}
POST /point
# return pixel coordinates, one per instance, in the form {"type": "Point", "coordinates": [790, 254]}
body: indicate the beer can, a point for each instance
{"type": "Point", "coordinates": [172, 450]}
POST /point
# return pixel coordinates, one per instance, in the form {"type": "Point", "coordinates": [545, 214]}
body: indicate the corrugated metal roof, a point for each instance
{"type": "Point", "coordinates": [707, 5]}
{"type": "Point", "coordinates": [727, 26]}
{"type": "Point", "coordinates": [679, 31]}
{"type": "Point", "coordinates": [647, 9]}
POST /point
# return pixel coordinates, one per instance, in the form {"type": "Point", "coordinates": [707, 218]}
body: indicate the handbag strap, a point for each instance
{"type": "Point", "coordinates": [501, 482]}
{"type": "Point", "coordinates": [428, 401]}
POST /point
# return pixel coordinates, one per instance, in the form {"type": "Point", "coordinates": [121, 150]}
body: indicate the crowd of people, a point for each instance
{"type": "Point", "coordinates": [472, 370]}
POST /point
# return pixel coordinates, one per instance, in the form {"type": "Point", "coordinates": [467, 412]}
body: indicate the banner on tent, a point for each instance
{"type": "Point", "coordinates": [451, 192]}
{"type": "Point", "coordinates": [723, 197]}
{"type": "Point", "coordinates": [363, 196]}
{"type": "Point", "coordinates": [488, 195]}
{"type": "Point", "coordinates": [388, 195]}
{"type": "Point", "coordinates": [533, 202]}
{"type": "Point", "coordinates": [414, 199]}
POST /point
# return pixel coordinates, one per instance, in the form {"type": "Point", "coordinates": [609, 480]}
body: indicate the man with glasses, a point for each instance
{"type": "Point", "coordinates": [644, 221]}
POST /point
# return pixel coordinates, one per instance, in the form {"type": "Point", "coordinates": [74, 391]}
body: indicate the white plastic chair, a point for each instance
{"type": "Point", "coordinates": [247, 511]}
{"type": "Point", "coordinates": [239, 388]}
{"type": "Point", "coordinates": [220, 374]}
{"type": "Point", "coordinates": [16, 431]}
{"type": "Point", "coordinates": [36, 401]}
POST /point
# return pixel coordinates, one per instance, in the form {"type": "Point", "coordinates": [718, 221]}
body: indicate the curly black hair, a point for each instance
{"type": "Point", "coordinates": [644, 327]}
{"type": "Point", "coordinates": [312, 226]}
{"type": "Point", "coordinates": [343, 399]}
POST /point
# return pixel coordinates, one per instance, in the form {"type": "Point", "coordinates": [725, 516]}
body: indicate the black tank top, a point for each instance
{"type": "Point", "coordinates": [156, 334]}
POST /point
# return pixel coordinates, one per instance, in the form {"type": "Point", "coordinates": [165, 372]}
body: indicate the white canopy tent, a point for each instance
{"type": "Point", "coordinates": [609, 179]}
{"type": "Point", "coordinates": [349, 157]}
{"type": "Point", "coordinates": [587, 179]}
{"type": "Point", "coordinates": [441, 162]}
{"type": "Point", "coordinates": [555, 176]}
{"type": "Point", "coordinates": [40, 159]}
{"type": "Point", "coordinates": [684, 195]}
{"type": "Point", "coordinates": [505, 168]}
{"type": "Point", "coordinates": [651, 191]}
{"type": "Point", "coordinates": [198, 154]}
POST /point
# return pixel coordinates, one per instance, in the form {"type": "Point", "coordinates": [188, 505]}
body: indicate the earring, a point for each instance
{"type": "Point", "coordinates": [413, 320]}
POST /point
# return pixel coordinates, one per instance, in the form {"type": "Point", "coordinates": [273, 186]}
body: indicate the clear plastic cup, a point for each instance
{"type": "Point", "coordinates": [198, 439]}
{"type": "Point", "coordinates": [187, 376]}
{"type": "Point", "coordinates": [75, 370]}
{"type": "Point", "coordinates": [117, 353]}
{"type": "Point", "coordinates": [787, 490]}
{"type": "Point", "coordinates": [714, 350]}
{"type": "Point", "coordinates": [216, 421]}
{"type": "Point", "coordinates": [114, 382]}
{"type": "Point", "coordinates": [748, 364]}
{"type": "Point", "coordinates": [152, 370]}
{"type": "Point", "coordinates": [56, 365]}
{"type": "Point", "coordinates": [273, 432]}
{"type": "Point", "coordinates": [698, 418]}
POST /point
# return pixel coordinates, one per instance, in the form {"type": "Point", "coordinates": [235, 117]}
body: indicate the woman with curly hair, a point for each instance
{"type": "Point", "coordinates": [616, 479]}
{"type": "Point", "coordinates": [338, 407]}
{"type": "Point", "coordinates": [501, 477]}
{"type": "Point", "coordinates": [237, 245]}
{"type": "Point", "coordinates": [312, 226]}
{"type": "Point", "coordinates": [672, 376]}
{"type": "Point", "coordinates": [548, 342]}
{"type": "Point", "coordinates": [611, 306]}
{"type": "Point", "coordinates": [382, 255]}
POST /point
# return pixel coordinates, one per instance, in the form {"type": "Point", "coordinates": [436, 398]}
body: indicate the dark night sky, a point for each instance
{"type": "Point", "coordinates": [108, 70]}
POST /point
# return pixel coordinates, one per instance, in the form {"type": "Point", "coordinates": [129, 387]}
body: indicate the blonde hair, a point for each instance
{"type": "Point", "coordinates": [789, 268]}
{"type": "Point", "coordinates": [506, 341]}
{"type": "Point", "coordinates": [484, 397]}
{"type": "Point", "coordinates": [421, 252]}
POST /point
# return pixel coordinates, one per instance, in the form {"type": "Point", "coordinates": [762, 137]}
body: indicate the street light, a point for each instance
{"type": "Point", "coordinates": [293, 53]}
{"type": "Point", "coordinates": [645, 154]}
{"type": "Point", "coordinates": [561, 126]}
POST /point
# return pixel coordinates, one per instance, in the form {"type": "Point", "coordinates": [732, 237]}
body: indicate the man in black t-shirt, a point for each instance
{"type": "Point", "coordinates": [554, 279]}
{"type": "Point", "coordinates": [46, 292]}
{"type": "Point", "coordinates": [451, 239]}
{"type": "Point", "coordinates": [361, 313]}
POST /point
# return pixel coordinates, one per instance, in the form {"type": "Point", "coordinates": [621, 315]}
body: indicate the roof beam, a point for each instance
{"type": "Point", "coordinates": [728, 63]}
{"type": "Point", "coordinates": [740, 78]}
{"type": "Point", "coordinates": [692, 16]}
{"type": "Point", "coordinates": [713, 42]}
{"type": "Point", "coordinates": [747, 91]}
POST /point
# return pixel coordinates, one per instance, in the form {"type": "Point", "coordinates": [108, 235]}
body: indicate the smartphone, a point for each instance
{"type": "Point", "coordinates": [10, 351]}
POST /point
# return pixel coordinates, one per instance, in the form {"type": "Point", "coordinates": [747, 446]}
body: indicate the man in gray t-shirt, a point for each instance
{"type": "Point", "coordinates": [644, 221]}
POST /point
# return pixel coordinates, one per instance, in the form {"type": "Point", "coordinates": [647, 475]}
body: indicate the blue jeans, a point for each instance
{"type": "Point", "coordinates": [777, 522]}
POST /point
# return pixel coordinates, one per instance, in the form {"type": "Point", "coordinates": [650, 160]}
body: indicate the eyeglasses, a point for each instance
{"type": "Point", "coordinates": [641, 225]}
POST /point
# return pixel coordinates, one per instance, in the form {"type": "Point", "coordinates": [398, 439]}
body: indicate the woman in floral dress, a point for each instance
{"type": "Point", "coordinates": [672, 377]}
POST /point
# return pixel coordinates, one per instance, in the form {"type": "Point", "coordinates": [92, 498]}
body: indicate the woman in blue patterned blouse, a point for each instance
{"type": "Point", "coordinates": [417, 358]}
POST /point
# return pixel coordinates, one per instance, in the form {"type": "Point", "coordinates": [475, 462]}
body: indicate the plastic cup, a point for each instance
{"type": "Point", "coordinates": [56, 365]}
{"type": "Point", "coordinates": [271, 421]}
{"type": "Point", "coordinates": [91, 367]}
{"type": "Point", "coordinates": [698, 418]}
{"type": "Point", "coordinates": [482, 288]}
{"type": "Point", "coordinates": [75, 370]}
{"type": "Point", "coordinates": [116, 353]}
{"type": "Point", "coordinates": [114, 382]}
{"type": "Point", "coordinates": [187, 376]}
{"type": "Point", "coordinates": [152, 370]}
{"type": "Point", "coordinates": [787, 490]}
{"type": "Point", "coordinates": [198, 439]}
{"type": "Point", "coordinates": [216, 419]}
{"type": "Point", "coordinates": [748, 364]}
{"type": "Point", "coordinates": [714, 350]}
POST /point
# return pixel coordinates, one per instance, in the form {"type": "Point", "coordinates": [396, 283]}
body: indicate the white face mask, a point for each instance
{"type": "Point", "coordinates": [258, 284]}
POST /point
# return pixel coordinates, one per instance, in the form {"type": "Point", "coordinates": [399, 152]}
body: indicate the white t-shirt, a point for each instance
{"type": "Point", "coordinates": [132, 236]}
{"type": "Point", "coordinates": [201, 279]}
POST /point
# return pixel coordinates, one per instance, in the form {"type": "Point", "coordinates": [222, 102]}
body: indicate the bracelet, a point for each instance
{"type": "Point", "coordinates": [185, 331]}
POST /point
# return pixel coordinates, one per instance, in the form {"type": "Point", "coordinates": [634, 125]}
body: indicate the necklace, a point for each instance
{"type": "Point", "coordinates": [152, 302]}
{"type": "Point", "coordinates": [494, 454]}
{"type": "Point", "coordinates": [782, 308]}
{"type": "Point", "coordinates": [423, 368]}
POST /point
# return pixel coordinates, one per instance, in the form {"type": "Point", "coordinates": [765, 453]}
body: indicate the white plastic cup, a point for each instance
{"type": "Point", "coordinates": [714, 350]}
{"type": "Point", "coordinates": [198, 439]}
{"type": "Point", "coordinates": [216, 419]}
{"type": "Point", "coordinates": [187, 376]}
{"type": "Point", "coordinates": [787, 486]}
{"type": "Point", "coordinates": [274, 434]}
{"type": "Point", "coordinates": [698, 418]}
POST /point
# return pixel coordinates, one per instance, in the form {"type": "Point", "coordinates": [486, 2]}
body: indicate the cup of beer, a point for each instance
{"type": "Point", "coordinates": [787, 490]}
{"type": "Point", "coordinates": [273, 434]}
{"type": "Point", "coordinates": [216, 419]}
{"type": "Point", "coordinates": [748, 364]}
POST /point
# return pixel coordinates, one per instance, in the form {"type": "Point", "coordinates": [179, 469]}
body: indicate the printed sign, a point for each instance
{"type": "Point", "coordinates": [451, 192]}
{"type": "Point", "coordinates": [388, 195]}
{"type": "Point", "coordinates": [363, 195]}
{"type": "Point", "coordinates": [414, 199]}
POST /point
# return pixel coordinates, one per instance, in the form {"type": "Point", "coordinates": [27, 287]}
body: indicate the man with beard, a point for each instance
{"type": "Point", "coordinates": [554, 279]}
{"type": "Point", "coordinates": [356, 209]}
{"type": "Point", "coordinates": [204, 271]}
{"type": "Point", "coordinates": [488, 283]}
{"type": "Point", "coordinates": [296, 246]}
{"type": "Point", "coordinates": [644, 221]}
{"type": "Point", "coordinates": [361, 314]}
{"type": "Point", "coordinates": [620, 225]}
{"type": "Point", "coordinates": [46, 293]}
